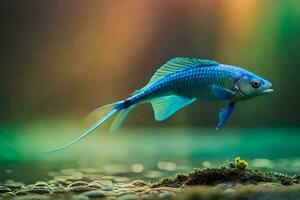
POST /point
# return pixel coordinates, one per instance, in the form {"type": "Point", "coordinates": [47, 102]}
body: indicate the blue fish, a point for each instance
{"type": "Point", "coordinates": [180, 82]}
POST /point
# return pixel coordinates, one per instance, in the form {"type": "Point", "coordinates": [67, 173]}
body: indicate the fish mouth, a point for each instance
{"type": "Point", "coordinates": [268, 89]}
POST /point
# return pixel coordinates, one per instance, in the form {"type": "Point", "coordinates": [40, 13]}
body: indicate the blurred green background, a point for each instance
{"type": "Point", "coordinates": [61, 59]}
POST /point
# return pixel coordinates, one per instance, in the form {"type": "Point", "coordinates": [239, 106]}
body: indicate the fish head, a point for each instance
{"type": "Point", "coordinates": [251, 85]}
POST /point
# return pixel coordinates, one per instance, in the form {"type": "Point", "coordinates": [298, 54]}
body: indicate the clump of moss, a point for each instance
{"type": "Point", "coordinates": [175, 181]}
{"type": "Point", "coordinates": [241, 164]}
{"type": "Point", "coordinates": [233, 172]}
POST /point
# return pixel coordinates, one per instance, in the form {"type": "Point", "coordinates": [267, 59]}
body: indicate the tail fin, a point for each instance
{"type": "Point", "coordinates": [118, 121]}
{"type": "Point", "coordinates": [105, 112]}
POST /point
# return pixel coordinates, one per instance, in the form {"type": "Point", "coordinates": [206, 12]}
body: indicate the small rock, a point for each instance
{"type": "Point", "coordinates": [13, 185]}
{"type": "Point", "coordinates": [108, 188]}
{"type": "Point", "coordinates": [80, 197]}
{"type": "Point", "coordinates": [103, 182]}
{"type": "Point", "coordinates": [108, 177]}
{"type": "Point", "coordinates": [120, 193]}
{"type": "Point", "coordinates": [78, 183]}
{"type": "Point", "coordinates": [166, 195]}
{"type": "Point", "coordinates": [58, 189]}
{"type": "Point", "coordinates": [67, 171]}
{"type": "Point", "coordinates": [53, 183]}
{"type": "Point", "coordinates": [153, 192]}
{"type": "Point", "coordinates": [39, 190]}
{"type": "Point", "coordinates": [144, 196]}
{"type": "Point", "coordinates": [94, 194]}
{"type": "Point", "coordinates": [80, 189]}
{"type": "Point", "coordinates": [229, 191]}
{"type": "Point", "coordinates": [128, 197]}
{"type": "Point", "coordinates": [32, 197]}
{"type": "Point", "coordinates": [41, 183]}
{"type": "Point", "coordinates": [95, 185]}
{"type": "Point", "coordinates": [76, 176]}
{"type": "Point", "coordinates": [127, 186]}
{"type": "Point", "coordinates": [60, 179]}
{"type": "Point", "coordinates": [4, 189]}
{"type": "Point", "coordinates": [21, 193]}
{"type": "Point", "coordinates": [90, 170]}
{"type": "Point", "coordinates": [68, 182]}
{"type": "Point", "coordinates": [8, 194]}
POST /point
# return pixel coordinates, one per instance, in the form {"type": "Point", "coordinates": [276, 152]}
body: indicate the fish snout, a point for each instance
{"type": "Point", "coordinates": [267, 88]}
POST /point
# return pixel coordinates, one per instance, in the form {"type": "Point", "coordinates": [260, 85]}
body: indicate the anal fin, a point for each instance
{"type": "Point", "coordinates": [225, 113]}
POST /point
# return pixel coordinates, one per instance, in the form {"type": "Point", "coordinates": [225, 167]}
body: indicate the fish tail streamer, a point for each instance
{"type": "Point", "coordinates": [119, 109]}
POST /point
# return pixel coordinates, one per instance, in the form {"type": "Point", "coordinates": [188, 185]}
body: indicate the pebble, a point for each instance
{"type": "Point", "coordinates": [53, 182]}
{"type": "Point", "coordinates": [104, 182]}
{"type": "Point", "coordinates": [129, 197]}
{"type": "Point", "coordinates": [41, 183]}
{"type": "Point", "coordinates": [92, 177]}
{"type": "Point", "coordinates": [67, 171]}
{"type": "Point", "coordinates": [78, 183]}
{"type": "Point", "coordinates": [90, 170]}
{"type": "Point", "coordinates": [98, 182]}
{"type": "Point", "coordinates": [108, 177]}
{"type": "Point", "coordinates": [58, 190]}
{"type": "Point", "coordinates": [108, 188]}
{"type": "Point", "coordinates": [21, 193]}
{"type": "Point", "coordinates": [153, 192]}
{"type": "Point", "coordinates": [166, 195]}
{"type": "Point", "coordinates": [76, 176]}
{"type": "Point", "coordinates": [144, 196]}
{"type": "Point", "coordinates": [95, 185]}
{"type": "Point", "coordinates": [271, 185]}
{"type": "Point", "coordinates": [80, 189]}
{"type": "Point", "coordinates": [80, 197]}
{"type": "Point", "coordinates": [229, 191]}
{"type": "Point", "coordinates": [8, 194]}
{"type": "Point", "coordinates": [32, 197]}
{"type": "Point", "coordinates": [13, 185]}
{"type": "Point", "coordinates": [39, 190]}
{"type": "Point", "coordinates": [94, 194]}
{"type": "Point", "coordinates": [4, 189]}
{"type": "Point", "coordinates": [60, 179]}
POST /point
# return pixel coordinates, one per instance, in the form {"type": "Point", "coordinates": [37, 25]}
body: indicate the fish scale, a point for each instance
{"type": "Point", "coordinates": [195, 79]}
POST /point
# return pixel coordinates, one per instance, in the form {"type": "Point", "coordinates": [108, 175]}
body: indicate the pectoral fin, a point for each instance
{"type": "Point", "coordinates": [167, 106]}
{"type": "Point", "coordinates": [225, 113]}
{"type": "Point", "coordinates": [221, 93]}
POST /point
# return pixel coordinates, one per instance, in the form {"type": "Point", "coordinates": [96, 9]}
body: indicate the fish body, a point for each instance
{"type": "Point", "coordinates": [180, 82]}
{"type": "Point", "coordinates": [192, 83]}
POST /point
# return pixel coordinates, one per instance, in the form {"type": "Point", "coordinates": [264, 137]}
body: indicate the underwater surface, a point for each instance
{"type": "Point", "coordinates": [136, 163]}
{"type": "Point", "coordinates": [148, 154]}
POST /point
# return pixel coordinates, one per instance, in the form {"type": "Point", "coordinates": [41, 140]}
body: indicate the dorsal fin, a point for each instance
{"type": "Point", "coordinates": [176, 65]}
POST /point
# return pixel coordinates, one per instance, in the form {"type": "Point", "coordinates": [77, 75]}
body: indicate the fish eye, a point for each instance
{"type": "Point", "coordinates": [255, 84]}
